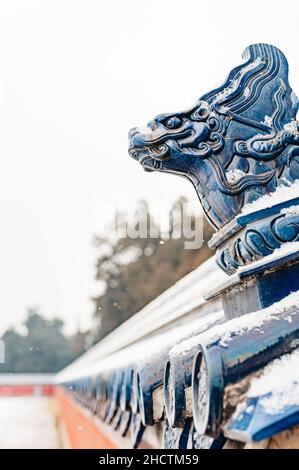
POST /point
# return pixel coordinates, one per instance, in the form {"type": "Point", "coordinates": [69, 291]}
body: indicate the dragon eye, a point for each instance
{"type": "Point", "coordinates": [173, 122]}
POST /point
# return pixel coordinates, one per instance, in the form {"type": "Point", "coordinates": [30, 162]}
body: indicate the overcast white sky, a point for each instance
{"type": "Point", "coordinates": [74, 77]}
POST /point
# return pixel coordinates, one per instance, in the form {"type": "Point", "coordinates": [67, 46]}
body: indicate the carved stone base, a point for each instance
{"type": "Point", "coordinates": [258, 286]}
{"type": "Point", "coordinates": [256, 235]}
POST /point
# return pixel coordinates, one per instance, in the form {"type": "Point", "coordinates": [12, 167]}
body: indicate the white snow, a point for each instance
{"type": "Point", "coordinates": [282, 194]}
{"type": "Point", "coordinates": [183, 348]}
{"type": "Point", "coordinates": [247, 92]}
{"type": "Point", "coordinates": [285, 249]}
{"type": "Point", "coordinates": [267, 120]}
{"type": "Point", "coordinates": [291, 127]}
{"type": "Point", "coordinates": [292, 210]}
{"type": "Point", "coordinates": [239, 325]}
{"type": "Point", "coordinates": [26, 379]}
{"type": "Point", "coordinates": [281, 378]}
{"type": "Point", "coordinates": [28, 423]}
{"type": "Point", "coordinates": [147, 348]}
{"type": "Point", "coordinates": [235, 83]}
{"type": "Point", "coordinates": [234, 175]}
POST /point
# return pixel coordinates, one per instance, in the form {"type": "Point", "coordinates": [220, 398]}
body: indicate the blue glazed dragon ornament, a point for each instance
{"type": "Point", "coordinates": [238, 143]}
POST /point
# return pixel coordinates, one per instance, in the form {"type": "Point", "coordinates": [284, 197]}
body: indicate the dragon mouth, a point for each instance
{"type": "Point", "coordinates": [151, 153]}
{"type": "Point", "coordinates": [147, 161]}
{"type": "Point", "coordinates": [138, 154]}
{"type": "Point", "coordinates": [150, 164]}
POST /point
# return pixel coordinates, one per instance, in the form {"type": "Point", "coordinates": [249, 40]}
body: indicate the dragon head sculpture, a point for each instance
{"type": "Point", "coordinates": [236, 144]}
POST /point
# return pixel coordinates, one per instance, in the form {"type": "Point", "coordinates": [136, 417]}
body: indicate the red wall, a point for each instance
{"type": "Point", "coordinates": [25, 390]}
{"type": "Point", "coordinates": [81, 429]}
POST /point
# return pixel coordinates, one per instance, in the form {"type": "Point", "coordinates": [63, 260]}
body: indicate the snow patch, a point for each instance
{"type": "Point", "coordinates": [282, 194]}
{"type": "Point", "coordinates": [234, 175]}
{"type": "Point", "coordinates": [237, 326]}
{"type": "Point", "coordinates": [291, 127]}
{"type": "Point", "coordinates": [235, 83]}
{"type": "Point", "coordinates": [292, 210]}
{"type": "Point", "coordinates": [28, 423]}
{"type": "Point", "coordinates": [246, 92]}
{"type": "Point", "coordinates": [148, 348]}
{"type": "Point", "coordinates": [285, 249]}
{"type": "Point", "coordinates": [267, 120]}
{"type": "Point", "coordinates": [281, 379]}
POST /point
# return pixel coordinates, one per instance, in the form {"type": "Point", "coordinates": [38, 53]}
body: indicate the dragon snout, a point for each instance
{"type": "Point", "coordinates": [133, 132]}
{"type": "Point", "coordinates": [137, 138]}
{"type": "Point", "coordinates": [147, 143]}
{"type": "Point", "coordinates": [134, 144]}
{"type": "Point", "coordinates": [133, 150]}
{"type": "Point", "coordinates": [137, 145]}
{"type": "Point", "coordinates": [138, 141]}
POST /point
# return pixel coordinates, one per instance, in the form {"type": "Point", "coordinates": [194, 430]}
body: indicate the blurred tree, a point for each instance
{"type": "Point", "coordinates": [43, 348]}
{"type": "Point", "coordinates": [136, 270]}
